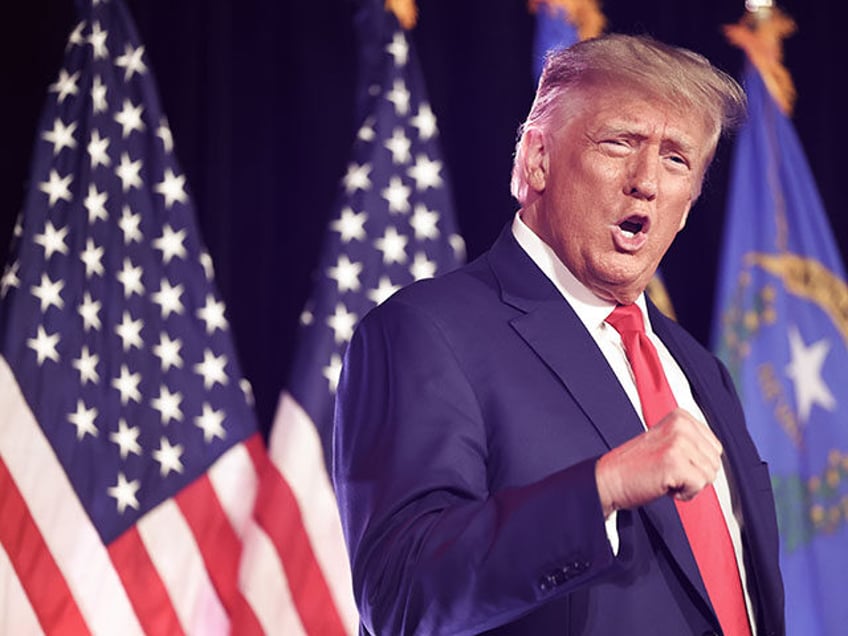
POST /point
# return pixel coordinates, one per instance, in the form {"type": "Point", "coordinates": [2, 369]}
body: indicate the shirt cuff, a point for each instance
{"type": "Point", "coordinates": [611, 526]}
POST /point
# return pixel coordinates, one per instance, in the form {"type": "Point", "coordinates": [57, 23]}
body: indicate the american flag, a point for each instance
{"type": "Point", "coordinates": [130, 456]}
{"type": "Point", "coordinates": [393, 224]}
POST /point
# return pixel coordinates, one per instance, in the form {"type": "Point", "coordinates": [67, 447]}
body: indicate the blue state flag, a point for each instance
{"type": "Point", "coordinates": [781, 326]}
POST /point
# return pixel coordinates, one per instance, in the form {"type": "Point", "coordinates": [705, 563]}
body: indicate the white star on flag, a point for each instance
{"type": "Point", "coordinates": [168, 455]}
{"type": "Point", "coordinates": [126, 437]}
{"type": "Point", "coordinates": [426, 173]}
{"type": "Point", "coordinates": [52, 240]}
{"type": "Point", "coordinates": [170, 244]}
{"type": "Point", "coordinates": [95, 203]}
{"type": "Point", "coordinates": [425, 122]}
{"type": "Point", "coordinates": [399, 96]}
{"type": "Point", "coordinates": [92, 257]}
{"type": "Point", "coordinates": [97, 40]}
{"type": "Point", "coordinates": [168, 405]}
{"type": "Point", "coordinates": [49, 293]}
{"type": "Point", "coordinates": [357, 178]}
{"type": "Point", "coordinates": [89, 310]}
{"type": "Point", "coordinates": [342, 323]}
{"type": "Point", "coordinates": [96, 149]}
{"type": "Point", "coordinates": [168, 298]}
{"type": "Point", "coordinates": [212, 369]}
{"type": "Point", "coordinates": [83, 418]}
{"type": "Point", "coordinates": [128, 172]}
{"type": "Point", "coordinates": [61, 136]}
{"type": "Point", "coordinates": [129, 331]}
{"type": "Point", "coordinates": [397, 195]}
{"type": "Point", "coordinates": [86, 364]}
{"type": "Point", "coordinates": [130, 118]}
{"type": "Point", "coordinates": [124, 493]}
{"type": "Point", "coordinates": [127, 385]}
{"type": "Point", "coordinates": [211, 423]}
{"type": "Point", "coordinates": [44, 345]}
{"type": "Point", "coordinates": [392, 245]}
{"type": "Point", "coordinates": [56, 187]}
{"type": "Point", "coordinates": [212, 313]}
{"type": "Point", "coordinates": [168, 352]}
{"type": "Point", "coordinates": [399, 145]}
{"type": "Point", "coordinates": [131, 61]}
{"type": "Point", "coordinates": [172, 188]}
{"type": "Point", "coordinates": [350, 225]}
{"type": "Point", "coordinates": [66, 85]}
{"type": "Point", "coordinates": [805, 370]}
{"type": "Point", "coordinates": [129, 225]}
{"type": "Point", "coordinates": [346, 274]}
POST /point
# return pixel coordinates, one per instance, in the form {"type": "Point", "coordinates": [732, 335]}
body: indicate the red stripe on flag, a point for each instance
{"type": "Point", "coordinates": [40, 577]}
{"type": "Point", "coordinates": [278, 513]}
{"type": "Point", "coordinates": [220, 547]}
{"type": "Point", "coordinates": [144, 586]}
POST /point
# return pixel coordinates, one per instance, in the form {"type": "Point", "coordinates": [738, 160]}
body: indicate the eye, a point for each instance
{"type": "Point", "coordinates": [615, 146]}
{"type": "Point", "coordinates": [677, 160]}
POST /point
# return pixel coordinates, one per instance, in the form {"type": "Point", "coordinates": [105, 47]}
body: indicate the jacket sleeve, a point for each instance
{"type": "Point", "coordinates": [433, 549]}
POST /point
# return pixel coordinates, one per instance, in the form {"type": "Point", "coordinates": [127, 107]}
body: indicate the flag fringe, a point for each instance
{"type": "Point", "coordinates": [405, 10]}
{"type": "Point", "coordinates": [585, 15]}
{"type": "Point", "coordinates": [760, 34]}
{"type": "Point", "coordinates": [659, 296]}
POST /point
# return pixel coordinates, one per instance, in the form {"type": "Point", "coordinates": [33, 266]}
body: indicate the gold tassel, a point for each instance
{"type": "Point", "coordinates": [760, 34]}
{"type": "Point", "coordinates": [659, 296]}
{"type": "Point", "coordinates": [585, 15]}
{"type": "Point", "coordinates": [405, 10]}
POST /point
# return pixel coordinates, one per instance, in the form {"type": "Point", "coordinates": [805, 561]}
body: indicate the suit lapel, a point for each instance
{"type": "Point", "coordinates": [554, 332]}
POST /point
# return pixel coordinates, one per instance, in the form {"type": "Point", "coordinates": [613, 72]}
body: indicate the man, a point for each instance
{"type": "Point", "coordinates": [501, 462]}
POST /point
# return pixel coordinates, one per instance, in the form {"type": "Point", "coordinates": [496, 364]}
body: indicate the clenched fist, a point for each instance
{"type": "Point", "coordinates": [677, 456]}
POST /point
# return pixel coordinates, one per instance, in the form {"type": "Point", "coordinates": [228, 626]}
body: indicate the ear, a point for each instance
{"type": "Point", "coordinates": [685, 216]}
{"type": "Point", "coordinates": [536, 159]}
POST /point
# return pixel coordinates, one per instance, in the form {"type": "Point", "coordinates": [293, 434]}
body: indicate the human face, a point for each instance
{"type": "Point", "coordinates": [614, 184]}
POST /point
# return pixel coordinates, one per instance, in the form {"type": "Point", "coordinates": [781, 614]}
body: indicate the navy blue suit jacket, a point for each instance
{"type": "Point", "coordinates": [471, 411]}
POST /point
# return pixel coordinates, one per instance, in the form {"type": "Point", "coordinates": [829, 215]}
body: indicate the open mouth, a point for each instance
{"type": "Point", "coordinates": [633, 225]}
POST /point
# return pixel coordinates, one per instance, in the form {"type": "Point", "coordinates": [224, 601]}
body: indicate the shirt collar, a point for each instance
{"type": "Point", "coordinates": [591, 309]}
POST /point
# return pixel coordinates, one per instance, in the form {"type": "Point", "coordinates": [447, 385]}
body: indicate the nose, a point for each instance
{"type": "Point", "coordinates": [642, 175]}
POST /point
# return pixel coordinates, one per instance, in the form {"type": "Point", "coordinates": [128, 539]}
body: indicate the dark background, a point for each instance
{"type": "Point", "coordinates": [260, 98]}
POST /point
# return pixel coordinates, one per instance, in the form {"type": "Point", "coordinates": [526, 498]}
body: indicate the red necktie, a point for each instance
{"type": "Point", "coordinates": [702, 518]}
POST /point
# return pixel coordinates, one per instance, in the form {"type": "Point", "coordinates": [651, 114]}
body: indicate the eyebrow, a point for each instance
{"type": "Point", "coordinates": [635, 129]}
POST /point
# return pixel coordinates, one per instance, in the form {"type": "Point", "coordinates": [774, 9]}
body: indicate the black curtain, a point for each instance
{"type": "Point", "coordinates": [260, 98]}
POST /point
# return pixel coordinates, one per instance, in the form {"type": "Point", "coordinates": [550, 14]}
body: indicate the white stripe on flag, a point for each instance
{"type": "Point", "coordinates": [16, 614]}
{"type": "Point", "coordinates": [68, 532]}
{"type": "Point", "coordinates": [233, 477]}
{"type": "Point", "coordinates": [264, 585]}
{"type": "Point", "coordinates": [296, 451]}
{"type": "Point", "coordinates": [175, 555]}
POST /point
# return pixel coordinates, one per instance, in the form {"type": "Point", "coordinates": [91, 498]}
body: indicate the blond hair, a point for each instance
{"type": "Point", "coordinates": [673, 74]}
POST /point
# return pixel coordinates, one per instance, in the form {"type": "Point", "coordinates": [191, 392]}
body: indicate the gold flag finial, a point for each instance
{"type": "Point", "coordinates": [585, 15]}
{"type": "Point", "coordinates": [760, 33]}
{"type": "Point", "coordinates": [405, 10]}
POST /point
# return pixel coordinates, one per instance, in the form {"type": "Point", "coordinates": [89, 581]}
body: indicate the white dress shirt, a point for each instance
{"type": "Point", "coordinates": [592, 312]}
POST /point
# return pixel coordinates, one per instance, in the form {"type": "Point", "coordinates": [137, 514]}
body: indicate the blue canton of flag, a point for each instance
{"type": "Point", "coordinates": [125, 486]}
{"type": "Point", "coordinates": [394, 222]}
{"type": "Point", "coordinates": [782, 328]}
